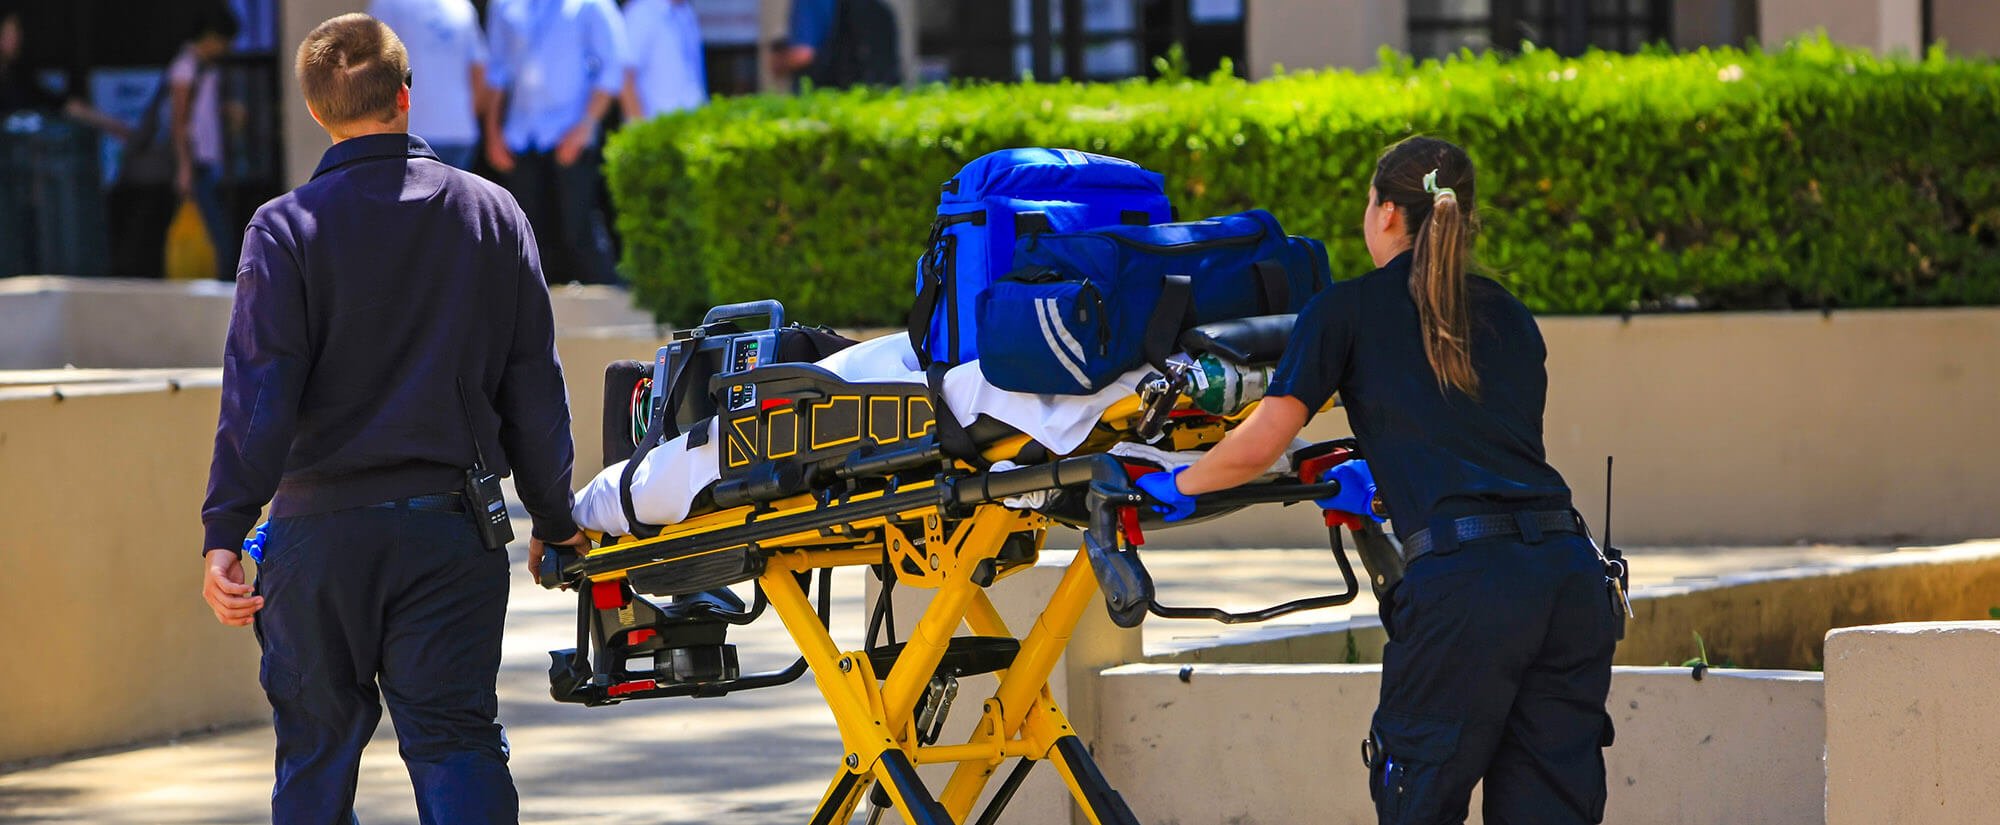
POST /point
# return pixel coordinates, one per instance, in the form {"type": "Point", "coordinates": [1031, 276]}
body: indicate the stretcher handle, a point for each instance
{"type": "Point", "coordinates": [1274, 611]}
{"type": "Point", "coordinates": [1275, 493]}
{"type": "Point", "coordinates": [1128, 586]}
{"type": "Point", "coordinates": [770, 310]}
{"type": "Point", "coordinates": [1068, 472]}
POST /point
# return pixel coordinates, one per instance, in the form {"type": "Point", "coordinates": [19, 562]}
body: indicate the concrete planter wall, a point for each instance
{"type": "Point", "coordinates": [1729, 428]}
{"type": "Point", "coordinates": [1773, 618]}
{"type": "Point", "coordinates": [1753, 428]}
{"type": "Point", "coordinates": [1281, 743]}
{"type": "Point", "coordinates": [49, 321]}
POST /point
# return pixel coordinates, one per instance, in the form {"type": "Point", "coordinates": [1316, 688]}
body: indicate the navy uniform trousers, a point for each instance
{"type": "Point", "coordinates": [405, 599]}
{"type": "Point", "coordinates": [1497, 667]}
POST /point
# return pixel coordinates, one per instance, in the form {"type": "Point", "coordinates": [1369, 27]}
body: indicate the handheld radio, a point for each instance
{"type": "Point", "coordinates": [483, 499]}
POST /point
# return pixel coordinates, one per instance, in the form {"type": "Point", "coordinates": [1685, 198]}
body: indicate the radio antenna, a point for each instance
{"type": "Point", "coordinates": [1607, 501]}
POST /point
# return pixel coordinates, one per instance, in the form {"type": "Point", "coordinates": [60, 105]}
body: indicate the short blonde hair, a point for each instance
{"type": "Point", "coordinates": [351, 67]}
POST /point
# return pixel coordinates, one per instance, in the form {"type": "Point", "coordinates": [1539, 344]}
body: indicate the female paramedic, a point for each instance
{"type": "Point", "coordinates": [1501, 631]}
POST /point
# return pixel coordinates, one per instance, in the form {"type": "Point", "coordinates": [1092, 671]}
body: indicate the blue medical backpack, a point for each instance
{"type": "Point", "coordinates": [999, 198]}
{"type": "Point", "coordinates": [1080, 309]}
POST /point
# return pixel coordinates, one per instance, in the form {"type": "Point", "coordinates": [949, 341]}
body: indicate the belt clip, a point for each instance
{"type": "Point", "coordinates": [1531, 529]}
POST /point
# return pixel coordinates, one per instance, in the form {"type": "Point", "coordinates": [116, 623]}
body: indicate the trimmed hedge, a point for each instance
{"type": "Point", "coordinates": [1812, 176]}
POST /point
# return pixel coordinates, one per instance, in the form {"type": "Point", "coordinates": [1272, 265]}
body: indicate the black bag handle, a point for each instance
{"type": "Point", "coordinates": [1174, 313]}
{"type": "Point", "coordinates": [771, 311]}
{"type": "Point", "coordinates": [1274, 287]}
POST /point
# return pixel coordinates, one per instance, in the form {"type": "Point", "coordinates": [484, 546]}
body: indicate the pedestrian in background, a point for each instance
{"type": "Point", "coordinates": [391, 330]}
{"type": "Point", "coordinates": [52, 218]}
{"type": "Point", "coordinates": [194, 92]}
{"type": "Point", "coordinates": [19, 90]}
{"type": "Point", "coordinates": [448, 51]}
{"type": "Point", "coordinates": [176, 154]}
{"type": "Point", "coordinates": [556, 67]}
{"type": "Point", "coordinates": [668, 73]}
{"type": "Point", "coordinates": [839, 43]}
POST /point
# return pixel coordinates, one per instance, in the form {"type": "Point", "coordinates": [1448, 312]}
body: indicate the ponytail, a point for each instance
{"type": "Point", "coordinates": [1437, 282]}
{"type": "Point", "coordinates": [1431, 182]}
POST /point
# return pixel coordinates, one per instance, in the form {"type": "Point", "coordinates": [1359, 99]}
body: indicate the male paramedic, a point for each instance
{"type": "Point", "coordinates": [391, 333]}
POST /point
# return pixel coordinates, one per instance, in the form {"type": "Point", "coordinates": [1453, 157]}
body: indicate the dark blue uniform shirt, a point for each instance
{"type": "Point", "coordinates": [362, 298]}
{"type": "Point", "coordinates": [1436, 454]}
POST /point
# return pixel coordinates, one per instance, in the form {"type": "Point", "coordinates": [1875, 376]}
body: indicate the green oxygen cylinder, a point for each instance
{"type": "Point", "coordinates": [1219, 387]}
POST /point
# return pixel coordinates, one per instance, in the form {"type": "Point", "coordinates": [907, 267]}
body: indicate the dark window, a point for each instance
{"type": "Point", "coordinates": [1078, 39]}
{"type": "Point", "coordinates": [1442, 27]}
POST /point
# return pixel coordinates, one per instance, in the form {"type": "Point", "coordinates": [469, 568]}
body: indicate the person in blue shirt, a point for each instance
{"type": "Point", "coordinates": [448, 51]}
{"type": "Point", "coordinates": [1501, 632]}
{"type": "Point", "coordinates": [667, 72]}
{"type": "Point", "coordinates": [555, 67]}
{"type": "Point", "coordinates": [391, 327]}
{"type": "Point", "coordinates": [840, 43]}
{"type": "Point", "coordinates": [808, 28]}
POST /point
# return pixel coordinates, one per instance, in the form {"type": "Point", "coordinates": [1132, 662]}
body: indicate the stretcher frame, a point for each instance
{"type": "Point", "coordinates": [963, 528]}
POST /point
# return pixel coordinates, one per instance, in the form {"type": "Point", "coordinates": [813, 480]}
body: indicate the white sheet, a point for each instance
{"type": "Point", "coordinates": [668, 478]}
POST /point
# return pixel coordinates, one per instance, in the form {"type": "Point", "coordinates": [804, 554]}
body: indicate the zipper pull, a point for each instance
{"type": "Point", "coordinates": [1103, 323]}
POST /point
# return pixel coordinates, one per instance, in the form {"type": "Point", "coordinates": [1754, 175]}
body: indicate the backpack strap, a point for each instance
{"type": "Point", "coordinates": [656, 433]}
{"type": "Point", "coordinates": [1274, 287]}
{"type": "Point", "coordinates": [1174, 313]}
{"type": "Point", "coordinates": [930, 273]}
{"type": "Point", "coordinates": [957, 443]}
{"type": "Point", "coordinates": [933, 270]}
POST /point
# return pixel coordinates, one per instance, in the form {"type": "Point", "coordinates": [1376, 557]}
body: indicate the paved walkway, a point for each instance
{"type": "Point", "coordinates": [752, 758]}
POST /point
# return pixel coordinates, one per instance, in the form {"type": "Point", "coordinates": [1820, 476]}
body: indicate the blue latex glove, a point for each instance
{"type": "Point", "coordinates": [1165, 490]}
{"type": "Point", "coordinates": [254, 545]}
{"type": "Point", "coordinates": [1357, 489]}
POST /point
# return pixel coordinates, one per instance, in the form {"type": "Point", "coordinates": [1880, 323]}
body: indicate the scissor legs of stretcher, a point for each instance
{"type": "Point", "coordinates": [888, 700]}
{"type": "Point", "coordinates": [918, 519]}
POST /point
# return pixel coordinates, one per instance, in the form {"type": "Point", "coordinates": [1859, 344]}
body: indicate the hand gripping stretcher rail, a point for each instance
{"type": "Point", "coordinates": [826, 473]}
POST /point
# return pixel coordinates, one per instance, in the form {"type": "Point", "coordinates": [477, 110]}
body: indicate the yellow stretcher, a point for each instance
{"type": "Point", "coordinates": [926, 521]}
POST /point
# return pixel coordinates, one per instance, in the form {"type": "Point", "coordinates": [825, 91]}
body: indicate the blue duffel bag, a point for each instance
{"type": "Point", "coordinates": [998, 199]}
{"type": "Point", "coordinates": [1081, 309]}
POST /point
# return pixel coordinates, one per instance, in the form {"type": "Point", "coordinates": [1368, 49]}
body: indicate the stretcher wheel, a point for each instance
{"type": "Point", "coordinates": [966, 656]}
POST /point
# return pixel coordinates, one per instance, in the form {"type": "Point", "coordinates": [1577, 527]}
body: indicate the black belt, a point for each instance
{"type": "Point", "coordinates": [435, 502]}
{"type": "Point", "coordinates": [1527, 524]}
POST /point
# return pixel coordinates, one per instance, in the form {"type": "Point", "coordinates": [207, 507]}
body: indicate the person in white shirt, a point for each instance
{"type": "Point", "coordinates": [448, 71]}
{"type": "Point", "coordinates": [194, 104]}
{"type": "Point", "coordinates": [557, 67]}
{"type": "Point", "coordinates": [667, 72]}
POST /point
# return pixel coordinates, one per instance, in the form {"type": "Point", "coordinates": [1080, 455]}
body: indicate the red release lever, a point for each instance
{"type": "Point", "coordinates": [1313, 468]}
{"type": "Point", "coordinates": [631, 687]}
{"type": "Point", "coordinates": [1128, 519]}
{"type": "Point", "coordinates": [1341, 518]}
{"type": "Point", "coordinates": [608, 595]}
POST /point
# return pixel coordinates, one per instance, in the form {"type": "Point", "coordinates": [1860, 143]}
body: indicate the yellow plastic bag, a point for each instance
{"type": "Point", "coordinates": [190, 257]}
